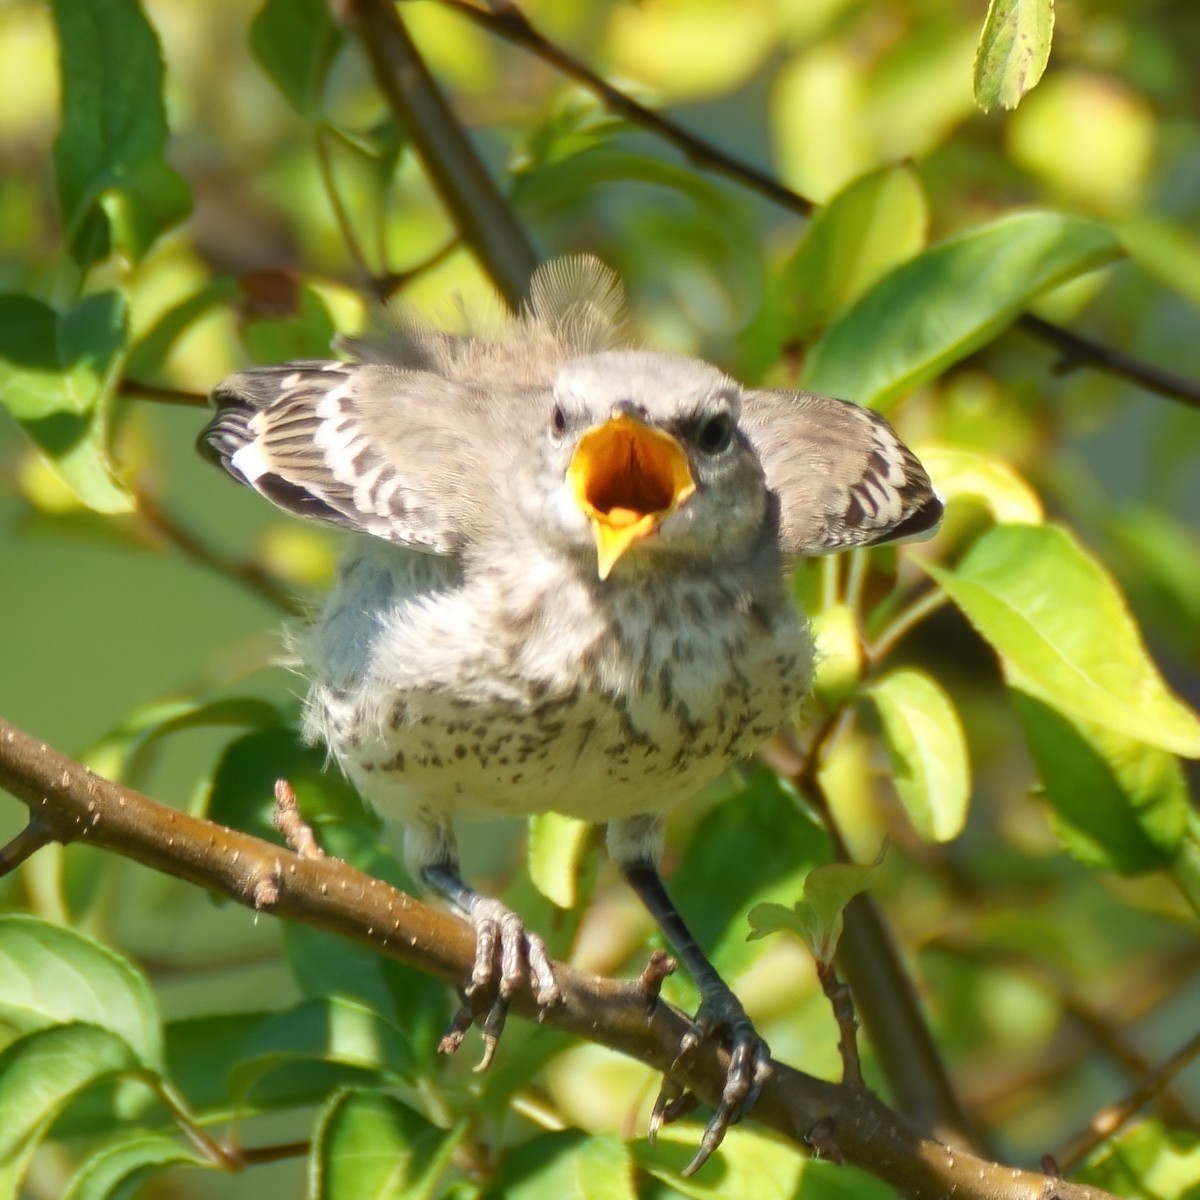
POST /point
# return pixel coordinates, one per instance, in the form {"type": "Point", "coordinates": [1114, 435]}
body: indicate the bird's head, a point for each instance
{"type": "Point", "coordinates": [643, 464]}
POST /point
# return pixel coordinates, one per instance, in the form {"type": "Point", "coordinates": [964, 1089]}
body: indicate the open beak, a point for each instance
{"type": "Point", "coordinates": [627, 477]}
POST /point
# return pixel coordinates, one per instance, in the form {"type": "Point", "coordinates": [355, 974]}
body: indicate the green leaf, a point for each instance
{"type": "Point", "coordinates": [114, 186]}
{"type": "Point", "coordinates": [55, 362]}
{"type": "Point", "coordinates": [557, 847]}
{"type": "Point", "coordinates": [817, 917]}
{"type": "Point", "coordinates": [51, 975]}
{"type": "Point", "coordinates": [1147, 1161]}
{"type": "Point", "coordinates": [1014, 48]}
{"type": "Point", "coordinates": [371, 1146]}
{"type": "Point", "coordinates": [150, 351]}
{"type": "Point", "coordinates": [944, 304]}
{"type": "Point", "coordinates": [42, 1071]}
{"type": "Point", "coordinates": [295, 42]}
{"type": "Point", "coordinates": [871, 226]}
{"type": "Point", "coordinates": [118, 1170]}
{"type": "Point", "coordinates": [325, 965]}
{"type": "Point", "coordinates": [1065, 635]}
{"type": "Point", "coordinates": [57, 371]}
{"type": "Point", "coordinates": [760, 824]}
{"type": "Point", "coordinates": [113, 754]}
{"type": "Point", "coordinates": [329, 1030]}
{"type": "Point", "coordinates": [308, 334]}
{"type": "Point", "coordinates": [966, 474]}
{"type": "Point", "coordinates": [928, 751]}
{"type": "Point", "coordinates": [567, 1166]}
{"type": "Point", "coordinates": [1120, 805]}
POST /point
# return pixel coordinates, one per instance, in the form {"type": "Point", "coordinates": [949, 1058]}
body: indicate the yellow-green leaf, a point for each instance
{"type": "Point", "coordinates": [1013, 51]}
{"type": "Point", "coordinates": [1065, 634]}
{"type": "Point", "coordinates": [928, 751]}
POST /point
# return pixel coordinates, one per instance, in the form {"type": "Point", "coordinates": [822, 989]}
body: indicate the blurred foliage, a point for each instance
{"type": "Point", "coordinates": [186, 188]}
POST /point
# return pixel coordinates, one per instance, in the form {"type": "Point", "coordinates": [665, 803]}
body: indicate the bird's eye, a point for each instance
{"type": "Point", "coordinates": [558, 420]}
{"type": "Point", "coordinates": [715, 434]}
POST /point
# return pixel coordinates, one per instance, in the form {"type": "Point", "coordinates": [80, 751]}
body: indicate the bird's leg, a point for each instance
{"type": "Point", "coordinates": [720, 1013]}
{"type": "Point", "coordinates": [505, 954]}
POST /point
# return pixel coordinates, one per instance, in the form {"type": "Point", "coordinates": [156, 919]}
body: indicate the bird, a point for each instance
{"type": "Point", "coordinates": [567, 589]}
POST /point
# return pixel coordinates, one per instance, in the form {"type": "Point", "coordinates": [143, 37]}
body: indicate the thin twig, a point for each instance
{"type": "Point", "coordinates": [340, 215]}
{"type": "Point", "coordinates": [507, 21]}
{"type": "Point", "coordinates": [32, 838]}
{"type": "Point", "coordinates": [161, 395]}
{"type": "Point", "coordinates": [842, 1003]}
{"type": "Point", "coordinates": [510, 23]}
{"type": "Point", "coordinates": [483, 218]}
{"type": "Point", "coordinates": [1110, 1118]}
{"type": "Point", "coordinates": [248, 575]}
{"type": "Point", "coordinates": [922, 607]}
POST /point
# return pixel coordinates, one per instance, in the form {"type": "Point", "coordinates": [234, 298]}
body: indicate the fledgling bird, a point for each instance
{"type": "Point", "coordinates": [572, 596]}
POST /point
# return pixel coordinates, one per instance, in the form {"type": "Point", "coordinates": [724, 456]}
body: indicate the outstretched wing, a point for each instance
{"type": "Point", "coordinates": [403, 455]}
{"type": "Point", "coordinates": [842, 476]}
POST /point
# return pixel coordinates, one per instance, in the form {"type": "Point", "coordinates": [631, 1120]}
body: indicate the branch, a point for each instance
{"type": "Point", "coordinates": [507, 21]}
{"type": "Point", "coordinates": [71, 804]}
{"type": "Point", "coordinates": [474, 202]}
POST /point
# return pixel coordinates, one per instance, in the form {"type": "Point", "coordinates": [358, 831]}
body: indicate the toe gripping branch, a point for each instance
{"type": "Point", "coordinates": [720, 1016]}
{"type": "Point", "coordinates": [506, 953]}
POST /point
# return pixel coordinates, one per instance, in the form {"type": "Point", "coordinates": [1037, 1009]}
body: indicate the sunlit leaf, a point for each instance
{"type": "Point", "coordinates": [372, 1146]}
{"type": "Point", "coordinates": [1147, 1161]}
{"type": "Point", "coordinates": [1013, 51]}
{"type": "Point", "coordinates": [837, 656]}
{"type": "Point", "coordinates": [928, 751]}
{"type": "Point", "coordinates": [117, 1171]}
{"type": "Point", "coordinates": [42, 1071]}
{"type": "Point", "coordinates": [114, 185]}
{"type": "Point", "coordinates": [872, 225]}
{"type": "Point", "coordinates": [817, 917]}
{"type": "Point", "coordinates": [51, 975]}
{"type": "Point", "coordinates": [57, 371]}
{"type": "Point", "coordinates": [295, 42]}
{"type": "Point", "coordinates": [557, 846]}
{"type": "Point", "coordinates": [942, 305]}
{"type": "Point", "coordinates": [567, 1166]}
{"type": "Point", "coordinates": [966, 474]}
{"type": "Point", "coordinates": [1120, 804]}
{"type": "Point", "coordinates": [1065, 635]}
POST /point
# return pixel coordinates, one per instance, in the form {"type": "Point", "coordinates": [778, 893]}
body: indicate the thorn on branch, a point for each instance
{"type": "Point", "coordinates": [265, 891]}
{"type": "Point", "coordinates": [649, 983]}
{"type": "Point", "coordinates": [821, 1142]}
{"type": "Point", "coordinates": [297, 832]}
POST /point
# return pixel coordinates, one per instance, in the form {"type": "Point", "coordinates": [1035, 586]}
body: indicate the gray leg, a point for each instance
{"type": "Point", "coordinates": [634, 844]}
{"type": "Point", "coordinates": [505, 952]}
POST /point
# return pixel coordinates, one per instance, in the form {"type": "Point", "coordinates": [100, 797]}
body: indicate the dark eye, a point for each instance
{"type": "Point", "coordinates": [715, 434]}
{"type": "Point", "coordinates": [558, 420]}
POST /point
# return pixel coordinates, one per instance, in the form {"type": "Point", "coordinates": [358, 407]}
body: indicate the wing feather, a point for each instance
{"type": "Point", "coordinates": [399, 454]}
{"type": "Point", "coordinates": [842, 476]}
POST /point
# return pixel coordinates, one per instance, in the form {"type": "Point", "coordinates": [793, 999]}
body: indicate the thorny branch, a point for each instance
{"type": "Point", "coordinates": [845, 1121]}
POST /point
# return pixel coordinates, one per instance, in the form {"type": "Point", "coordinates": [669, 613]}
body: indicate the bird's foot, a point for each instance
{"type": "Point", "coordinates": [720, 1016]}
{"type": "Point", "coordinates": [506, 954]}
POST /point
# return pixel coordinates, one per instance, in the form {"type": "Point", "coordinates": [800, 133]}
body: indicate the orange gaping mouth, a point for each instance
{"type": "Point", "coordinates": [627, 477]}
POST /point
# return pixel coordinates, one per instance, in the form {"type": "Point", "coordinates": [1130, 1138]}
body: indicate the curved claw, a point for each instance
{"type": "Point", "coordinates": [505, 954]}
{"type": "Point", "coordinates": [720, 1016]}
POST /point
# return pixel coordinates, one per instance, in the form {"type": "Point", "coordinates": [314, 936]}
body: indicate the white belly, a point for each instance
{"type": "Point", "coordinates": [595, 713]}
